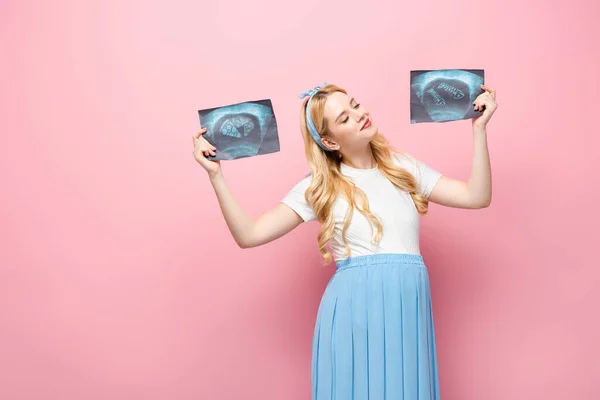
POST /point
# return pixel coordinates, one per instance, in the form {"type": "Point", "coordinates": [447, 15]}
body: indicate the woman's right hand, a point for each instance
{"type": "Point", "coordinates": [203, 149]}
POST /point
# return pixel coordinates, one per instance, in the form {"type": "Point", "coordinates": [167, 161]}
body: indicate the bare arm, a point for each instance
{"type": "Point", "coordinates": [248, 232]}
{"type": "Point", "coordinates": [477, 191]}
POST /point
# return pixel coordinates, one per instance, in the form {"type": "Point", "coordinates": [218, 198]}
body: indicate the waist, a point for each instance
{"type": "Point", "coordinates": [376, 259]}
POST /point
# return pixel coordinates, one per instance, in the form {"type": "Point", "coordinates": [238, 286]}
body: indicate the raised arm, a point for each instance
{"type": "Point", "coordinates": [246, 231]}
{"type": "Point", "coordinates": [476, 192]}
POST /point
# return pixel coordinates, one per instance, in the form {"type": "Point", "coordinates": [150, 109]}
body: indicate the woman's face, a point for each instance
{"type": "Point", "coordinates": [350, 125]}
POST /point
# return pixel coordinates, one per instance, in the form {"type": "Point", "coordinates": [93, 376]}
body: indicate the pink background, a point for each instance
{"type": "Point", "coordinates": [118, 276]}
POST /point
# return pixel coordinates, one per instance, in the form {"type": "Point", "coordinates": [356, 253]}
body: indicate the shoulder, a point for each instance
{"type": "Point", "coordinates": [296, 199]}
{"type": "Point", "coordinates": [405, 161]}
{"type": "Point", "coordinates": [300, 186]}
{"type": "Point", "coordinates": [305, 181]}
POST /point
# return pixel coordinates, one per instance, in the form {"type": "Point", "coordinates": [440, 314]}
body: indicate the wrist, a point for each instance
{"type": "Point", "coordinates": [216, 176]}
{"type": "Point", "coordinates": [479, 129]}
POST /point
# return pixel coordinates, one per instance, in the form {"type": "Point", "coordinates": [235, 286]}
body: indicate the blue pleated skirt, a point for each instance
{"type": "Point", "coordinates": [374, 335]}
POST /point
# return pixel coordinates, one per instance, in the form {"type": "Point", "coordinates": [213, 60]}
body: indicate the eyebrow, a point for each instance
{"type": "Point", "coordinates": [343, 112]}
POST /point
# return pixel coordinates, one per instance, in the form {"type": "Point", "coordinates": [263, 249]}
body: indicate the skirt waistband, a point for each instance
{"type": "Point", "coordinates": [374, 259]}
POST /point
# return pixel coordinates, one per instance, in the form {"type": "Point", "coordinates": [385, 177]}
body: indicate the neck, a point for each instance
{"type": "Point", "coordinates": [363, 159]}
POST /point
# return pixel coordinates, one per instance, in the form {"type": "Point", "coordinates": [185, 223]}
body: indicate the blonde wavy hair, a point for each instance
{"type": "Point", "coordinates": [328, 182]}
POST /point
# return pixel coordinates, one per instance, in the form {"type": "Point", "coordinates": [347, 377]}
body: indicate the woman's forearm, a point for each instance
{"type": "Point", "coordinates": [239, 223]}
{"type": "Point", "coordinates": [480, 180]}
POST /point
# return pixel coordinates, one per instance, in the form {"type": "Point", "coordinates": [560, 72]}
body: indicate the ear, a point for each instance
{"type": "Point", "coordinates": [330, 144]}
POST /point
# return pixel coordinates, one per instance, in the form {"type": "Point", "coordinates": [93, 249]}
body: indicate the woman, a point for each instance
{"type": "Point", "coordinates": [374, 334]}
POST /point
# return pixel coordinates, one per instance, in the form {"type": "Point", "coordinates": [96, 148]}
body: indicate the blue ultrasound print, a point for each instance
{"type": "Point", "coordinates": [444, 95]}
{"type": "Point", "coordinates": [241, 130]}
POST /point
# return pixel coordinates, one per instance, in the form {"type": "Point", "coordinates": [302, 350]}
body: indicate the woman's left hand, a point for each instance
{"type": "Point", "coordinates": [487, 99]}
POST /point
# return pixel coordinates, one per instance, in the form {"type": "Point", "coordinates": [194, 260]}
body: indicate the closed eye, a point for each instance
{"type": "Point", "coordinates": [347, 118]}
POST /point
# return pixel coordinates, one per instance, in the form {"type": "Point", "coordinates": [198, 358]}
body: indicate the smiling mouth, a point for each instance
{"type": "Point", "coordinates": [367, 124]}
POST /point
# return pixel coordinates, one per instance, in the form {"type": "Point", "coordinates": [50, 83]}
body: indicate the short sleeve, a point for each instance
{"type": "Point", "coordinates": [425, 175]}
{"type": "Point", "coordinates": [296, 200]}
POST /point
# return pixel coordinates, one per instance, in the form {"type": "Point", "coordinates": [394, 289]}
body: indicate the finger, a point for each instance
{"type": "Point", "coordinates": [201, 132]}
{"type": "Point", "coordinates": [488, 89]}
{"type": "Point", "coordinates": [480, 103]}
{"type": "Point", "coordinates": [484, 105]}
{"type": "Point", "coordinates": [490, 105]}
{"type": "Point", "coordinates": [208, 144]}
{"type": "Point", "coordinates": [207, 151]}
{"type": "Point", "coordinates": [205, 142]}
{"type": "Point", "coordinates": [483, 99]}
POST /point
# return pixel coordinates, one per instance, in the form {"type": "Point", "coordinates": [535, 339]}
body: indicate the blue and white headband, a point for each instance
{"type": "Point", "coordinates": [309, 121]}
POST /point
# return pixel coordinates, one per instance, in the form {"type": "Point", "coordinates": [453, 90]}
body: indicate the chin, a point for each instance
{"type": "Point", "coordinates": [371, 131]}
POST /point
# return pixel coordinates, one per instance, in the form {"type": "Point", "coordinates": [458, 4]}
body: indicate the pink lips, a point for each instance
{"type": "Point", "coordinates": [367, 124]}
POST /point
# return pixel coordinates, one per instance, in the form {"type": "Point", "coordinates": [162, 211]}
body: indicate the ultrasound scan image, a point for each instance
{"type": "Point", "coordinates": [241, 130]}
{"type": "Point", "coordinates": [444, 95]}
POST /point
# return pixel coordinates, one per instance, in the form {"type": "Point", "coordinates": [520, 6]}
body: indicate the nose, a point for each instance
{"type": "Point", "coordinates": [361, 115]}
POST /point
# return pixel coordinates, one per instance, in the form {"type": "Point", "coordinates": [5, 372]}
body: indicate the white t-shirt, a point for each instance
{"type": "Point", "coordinates": [394, 208]}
